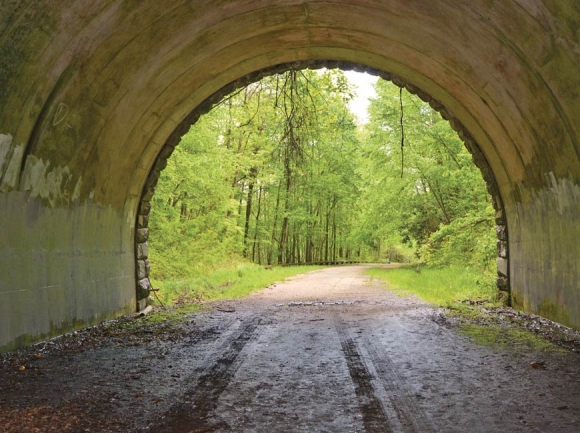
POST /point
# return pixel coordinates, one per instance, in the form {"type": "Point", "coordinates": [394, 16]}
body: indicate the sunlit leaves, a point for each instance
{"type": "Point", "coordinates": [440, 204]}
{"type": "Point", "coordinates": [280, 172]}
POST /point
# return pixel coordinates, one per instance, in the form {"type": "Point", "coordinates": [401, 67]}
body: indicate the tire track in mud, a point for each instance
{"type": "Point", "coordinates": [375, 418]}
{"type": "Point", "coordinates": [411, 417]}
{"type": "Point", "coordinates": [383, 400]}
{"type": "Point", "coordinates": [194, 413]}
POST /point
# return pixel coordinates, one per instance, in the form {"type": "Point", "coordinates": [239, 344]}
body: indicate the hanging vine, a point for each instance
{"type": "Point", "coordinates": [402, 131]}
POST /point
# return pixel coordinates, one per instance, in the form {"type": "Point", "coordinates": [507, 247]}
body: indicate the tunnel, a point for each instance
{"type": "Point", "coordinates": [94, 95]}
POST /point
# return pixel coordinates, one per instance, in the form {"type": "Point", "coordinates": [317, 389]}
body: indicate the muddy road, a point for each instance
{"type": "Point", "coordinates": [329, 351]}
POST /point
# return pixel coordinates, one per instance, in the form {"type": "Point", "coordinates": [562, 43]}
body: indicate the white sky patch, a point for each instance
{"type": "Point", "coordinates": [363, 84]}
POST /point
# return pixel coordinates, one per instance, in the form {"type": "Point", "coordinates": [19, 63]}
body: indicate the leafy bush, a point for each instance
{"type": "Point", "coordinates": [466, 241]}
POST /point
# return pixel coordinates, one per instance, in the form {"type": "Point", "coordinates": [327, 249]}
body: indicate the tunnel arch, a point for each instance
{"type": "Point", "coordinates": [92, 91]}
{"type": "Point", "coordinates": [142, 265]}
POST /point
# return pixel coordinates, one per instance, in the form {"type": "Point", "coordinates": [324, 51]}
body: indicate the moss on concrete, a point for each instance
{"type": "Point", "coordinates": [66, 268]}
{"type": "Point", "coordinates": [63, 328]}
{"type": "Point", "coordinates": [557, 313]}
{"type": "Point", "coordinates": [503, 338]}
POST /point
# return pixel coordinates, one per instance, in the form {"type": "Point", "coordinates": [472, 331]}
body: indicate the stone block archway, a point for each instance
{"type": "Point", "coordinates": [142, 264]}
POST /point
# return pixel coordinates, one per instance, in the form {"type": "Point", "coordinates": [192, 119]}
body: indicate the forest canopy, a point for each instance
{"type": "Point", "coordinates": [279, 172]}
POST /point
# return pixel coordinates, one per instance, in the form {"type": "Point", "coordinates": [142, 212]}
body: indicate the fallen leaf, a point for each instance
{"type": "Point", "coordinates": [538, 365]}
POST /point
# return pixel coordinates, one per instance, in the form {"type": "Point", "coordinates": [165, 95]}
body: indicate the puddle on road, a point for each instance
{"type": "Point", "coordinates": [317, 303]}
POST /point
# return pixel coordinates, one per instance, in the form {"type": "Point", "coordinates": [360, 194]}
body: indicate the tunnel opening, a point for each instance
{"type": "Point", "coordinates": [92, 93]}
{"type": "Point", "coordinates": [143, 282]}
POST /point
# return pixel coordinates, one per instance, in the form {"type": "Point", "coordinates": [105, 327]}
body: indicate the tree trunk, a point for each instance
{"type": "Point", "coordinates": [273, 239]}
{"type": "Point", "coordinates": [253, 173]}
{"type": "Point", "coordinates": [256, 229]}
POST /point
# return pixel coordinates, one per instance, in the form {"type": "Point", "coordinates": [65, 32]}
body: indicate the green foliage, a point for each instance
{"type": "Point", "coordinates": [269, 174]}
{"type": "Point", "coordinates": [191, 228]}
{"type": "Point", "coordinates": [225, 283]}
{"type": "Point", "coordinates": [441, 286]}
{"type": "Point", "coordinates": [425, 191]}
{"type": "Point", "coordinates": [466, 241]}
{"type": "Point", "coordinates": [279, 173]}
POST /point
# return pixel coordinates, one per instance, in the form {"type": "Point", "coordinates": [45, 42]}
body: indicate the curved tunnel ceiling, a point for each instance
{"type": "Point", "coordinates": [128, 75]}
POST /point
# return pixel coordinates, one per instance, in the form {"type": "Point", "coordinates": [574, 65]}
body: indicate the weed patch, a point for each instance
{"type": "Point", "coordinates": [226, 283]}
{"type": "Point", "coordinates": [470, 302]}
{"type": "Point", "coordinates": [442, 286]}
{"type": "Point", "coordinates": [500, 337]}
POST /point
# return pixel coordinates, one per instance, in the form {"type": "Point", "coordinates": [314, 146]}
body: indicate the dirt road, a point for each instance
{"type": "Point", "coordinates": [329, 351]}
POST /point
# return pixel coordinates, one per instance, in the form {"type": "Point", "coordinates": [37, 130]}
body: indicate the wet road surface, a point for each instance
{"type": "Point", "coordinates": [333, 352]}
{"type": "Point", "coordinates": [329, 351]}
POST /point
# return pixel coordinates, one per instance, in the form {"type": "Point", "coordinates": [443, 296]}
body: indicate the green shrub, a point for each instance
{"type": "Point", "coordinates": [234, 281]}
{"type": "Point", "coordinates": [442, 286]}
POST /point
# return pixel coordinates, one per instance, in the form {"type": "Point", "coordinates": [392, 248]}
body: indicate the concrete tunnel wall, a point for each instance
{"type": "Point", "coordinates": [91, 90]}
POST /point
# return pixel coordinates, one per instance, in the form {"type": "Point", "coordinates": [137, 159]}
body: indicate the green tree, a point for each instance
{"type": "Point", "coordinates": [429, 186]}
{"type": "Point", "coordinates": [278, 172]}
